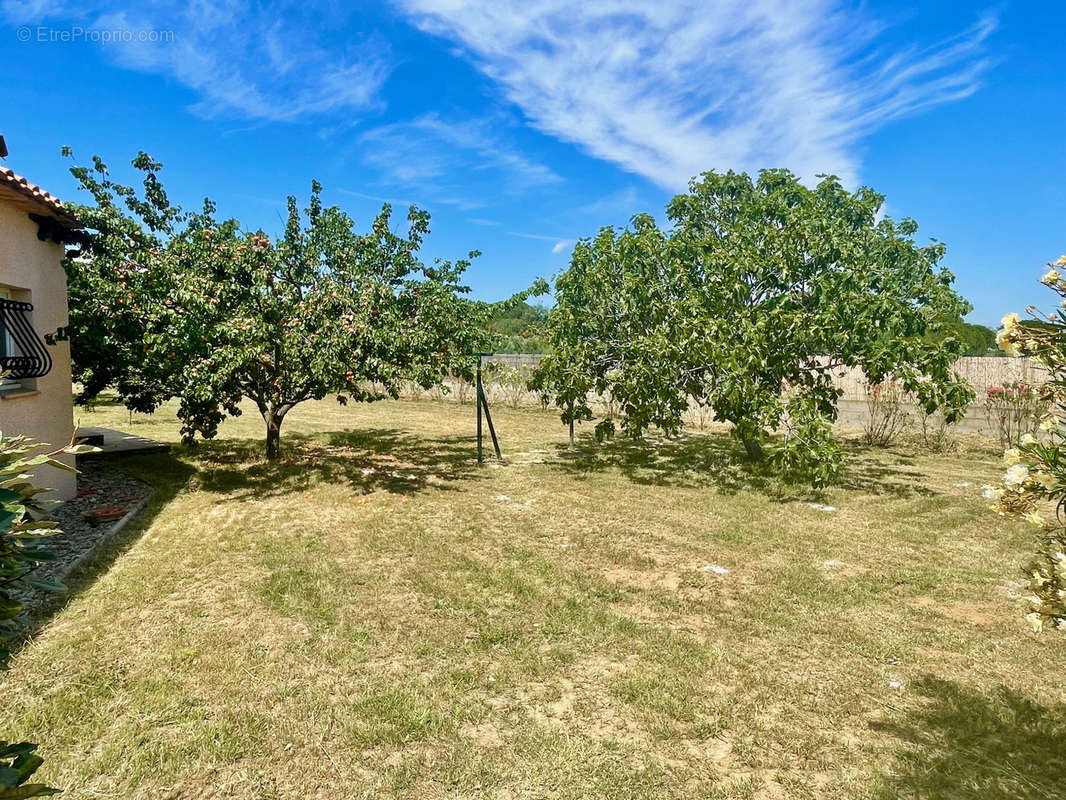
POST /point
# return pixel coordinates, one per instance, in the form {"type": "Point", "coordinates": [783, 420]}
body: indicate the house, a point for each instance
{"type": "Point", "coordinates": [35, 393]}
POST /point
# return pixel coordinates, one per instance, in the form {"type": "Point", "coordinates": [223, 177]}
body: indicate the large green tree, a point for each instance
{"type": "Point", "coordinates": [167, 303]}
{"type": "Point", "coordinates": [976, 340]}
{"type": "Point", "coordinates": [519, 328]}
{"type": "Point", "coordinates": [757, 293]}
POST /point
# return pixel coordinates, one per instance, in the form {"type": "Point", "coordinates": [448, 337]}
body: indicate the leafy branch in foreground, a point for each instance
{"type": "Point", "coordinates": [24, 525]}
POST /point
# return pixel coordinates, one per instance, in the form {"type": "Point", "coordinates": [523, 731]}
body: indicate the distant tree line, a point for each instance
{"type": "Point", "coordinates": [521, 329]}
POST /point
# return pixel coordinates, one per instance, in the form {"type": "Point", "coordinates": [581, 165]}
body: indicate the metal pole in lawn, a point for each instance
{"type": "Point", "coordinates": [477, 401]}
{"type": "Point", "coordinates": [483, 406]}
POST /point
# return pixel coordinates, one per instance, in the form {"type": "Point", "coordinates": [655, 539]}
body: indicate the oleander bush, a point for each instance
{"type": "Point", "coordinates": [1034, 485]}
{"type": "Point", "coordinates": [887, 414]}
{"type": "Point", "coordinates": [1013, 410]}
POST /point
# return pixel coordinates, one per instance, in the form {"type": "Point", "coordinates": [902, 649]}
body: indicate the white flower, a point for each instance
{"type": "Point", "coordinates": [992, 493]}
{"type": "Point", "coordinates": [1006, 344]}
{"type": "Point", "coordinates": [1061, 261]}
{"type": "Point", "coordinates": [1028, 439]}
{"type": "Point", "coordinates": [1010, 322]}
{"type": "Point", "coordinates": [1035, 518]}
{"type": "Point", "coordinates": [1060, 564]}
{"type": "Point", "coordinates": [1044, 479]}
{"type": "Point", "coordinates": [1051, 278]}
{"type": "Point", "coordinates": [1012, 455]}
{"type": "Point", "coordinates": [1050, 423]}
{"type": "Point", "coordinates": [1016, 475]}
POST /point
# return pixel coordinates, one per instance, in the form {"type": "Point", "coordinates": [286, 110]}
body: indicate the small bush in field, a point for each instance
{"type": "Point", "coordinates": [886, 403]}
{"type": "Point", "coordinates": [462, 389]}
{"type": "Point", "coordinates": [513, 383]}
{"type": "Point", "coordinates": [702, 415]}
{"type": "Point", "coordinates": [1013, 410]}
{"type": "Point", "coordinates": [935, 431]}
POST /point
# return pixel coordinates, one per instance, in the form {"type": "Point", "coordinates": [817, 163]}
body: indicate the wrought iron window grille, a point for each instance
{"type": "Point", "coordinates": [22, 352]}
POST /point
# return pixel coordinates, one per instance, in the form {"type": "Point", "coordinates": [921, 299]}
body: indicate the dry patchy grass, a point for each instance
{"type": "Point", "coordinates": [378, 616]}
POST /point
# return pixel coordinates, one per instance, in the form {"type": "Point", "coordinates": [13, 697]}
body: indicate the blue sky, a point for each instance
{"type": "Point", "coordinates": [525, 124]}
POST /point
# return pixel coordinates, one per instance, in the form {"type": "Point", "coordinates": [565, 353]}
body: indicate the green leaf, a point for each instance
{"type": "Point", "coordinates": [28, 790]}
{"type": "Point", "coordinates": [17, 749]}
{"type": "Point", "coordinates": [36, 554]}
{"type": "Point", "coordinates": [44, 584]}
{"type": "Point", "coordinates": [8, 607]}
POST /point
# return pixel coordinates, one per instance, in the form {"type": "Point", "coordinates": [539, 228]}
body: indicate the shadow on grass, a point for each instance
{"type": "Point", "coordinates": [968, 744]}
{"type": "Point", "coordinates": [98, 402]}
{"type": "Point", "coordinates": [365, 460]}
{"type": "Point", "coordinates": [718, 460]}
{"type": "Point", "coordinates": [167, 476]}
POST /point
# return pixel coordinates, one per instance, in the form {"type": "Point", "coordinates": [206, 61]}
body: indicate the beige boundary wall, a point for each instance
{"type": "Point", "coordinates": [981, 371]}
{"type": "Point", "coordinates": [31, 270]}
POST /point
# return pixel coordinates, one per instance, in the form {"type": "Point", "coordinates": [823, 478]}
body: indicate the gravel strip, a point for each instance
{"type": "Point", "coordinates": [98, 485]}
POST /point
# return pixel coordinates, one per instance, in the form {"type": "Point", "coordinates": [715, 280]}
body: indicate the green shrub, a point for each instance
{"type": "Point", "coordinates": [24, 525]}
{"type": "Point", "coordinates": [887, 417]}
{"type": "Point", "coordinates": [513, 382]}
{"type": "Point", "coordinates": [1013, 410]}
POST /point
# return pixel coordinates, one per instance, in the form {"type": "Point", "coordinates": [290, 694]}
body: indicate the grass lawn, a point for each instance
{"type": "Point", "coordinates": [378, 616]}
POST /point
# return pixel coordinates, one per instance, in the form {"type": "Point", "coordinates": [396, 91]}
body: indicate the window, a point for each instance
{"type": "Point", "coordinates": [7, 345]}
{"type": "Point", "coordinates": [23, 355]}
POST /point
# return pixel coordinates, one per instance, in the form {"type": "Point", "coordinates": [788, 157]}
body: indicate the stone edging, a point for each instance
{"type": "Point", "coordinates": [98, 545]}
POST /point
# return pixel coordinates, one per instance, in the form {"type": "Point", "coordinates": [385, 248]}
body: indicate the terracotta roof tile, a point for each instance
{"type": "Point", "coordinates": [14, 181]}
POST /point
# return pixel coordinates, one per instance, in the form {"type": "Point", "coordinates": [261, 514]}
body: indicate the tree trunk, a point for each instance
{"type": "Point", "coordinates": [753, 447]}
{"type": "Point", "coordinates": [751, 436]}
{"type": "Point", "coordinates": [273, 419]}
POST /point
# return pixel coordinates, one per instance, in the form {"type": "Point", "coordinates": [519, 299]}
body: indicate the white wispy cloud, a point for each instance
{"type": "Point", "coordinates": [444, 158]}
{"type": "Point", "coordinates": [241, 58]}
{"type": "Point", "coordinates": [392, 201]}
{"type": "Point", "coordinates": [669, 89]}
{"type": "Point", "coordinates": [558, 246]}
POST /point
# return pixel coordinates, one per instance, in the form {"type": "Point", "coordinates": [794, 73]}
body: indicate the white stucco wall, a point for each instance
{"type": "Point", "coordinates": [33, 271]}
